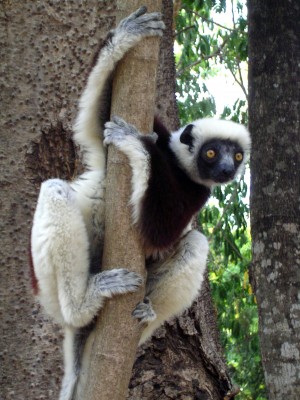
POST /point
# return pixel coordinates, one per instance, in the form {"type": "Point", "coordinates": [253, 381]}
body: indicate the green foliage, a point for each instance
{"type": "Point", "coordinates": [203, 49]}
{"type": "Point", "coordinates": [224, 222]}
{"type": "Point", "coordinates": [237, 113]}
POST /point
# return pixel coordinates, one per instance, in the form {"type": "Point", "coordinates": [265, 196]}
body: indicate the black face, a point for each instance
{"type": "Point", "coordinates": [219, 160]}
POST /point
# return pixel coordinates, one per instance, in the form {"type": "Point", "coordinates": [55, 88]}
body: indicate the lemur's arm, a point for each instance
{"type": "Point", "coordinates": [128, 33]}
{"type": "Point", "coordinates": [88, 127]}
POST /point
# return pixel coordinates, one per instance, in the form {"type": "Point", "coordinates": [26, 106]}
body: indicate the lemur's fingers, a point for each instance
{"type": "Point", "coordinates": [119, 121]}
{"type": "Point", "coordinates": [137, 13]}
{"type": "Point", "coordinates": [144, 311]}
{"type": "Point", "coordinates": [129, 129]}
{"type": "Point", "coordinates": [117, 130]}
{"type": "Point", "coordinates": [142, 23]}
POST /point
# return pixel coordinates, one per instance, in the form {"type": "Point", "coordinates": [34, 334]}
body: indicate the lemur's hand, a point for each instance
{"type": "Point", "coordinates": [140, 23]}
{"type": "Point", "coordinates": [118, 130]}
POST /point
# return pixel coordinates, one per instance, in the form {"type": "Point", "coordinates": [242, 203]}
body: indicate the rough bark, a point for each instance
{"type": "Point", "coordinates": [117, 333]}
{"type": "Point", "coordinates": [184, 360]}
{"type": "Point", "coordinates": [46, 47]}
{"type": "Point", "coordinates": [274, 116]}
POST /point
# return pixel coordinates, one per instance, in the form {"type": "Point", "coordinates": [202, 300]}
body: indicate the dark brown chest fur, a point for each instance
{"type": "Point", "coordinates": [171, 199]}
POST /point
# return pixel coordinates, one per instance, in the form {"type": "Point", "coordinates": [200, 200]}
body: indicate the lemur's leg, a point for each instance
{"type": "Point", "coordinates": [61, 259]}
{"type": "Point", "coordinates": [127, 138]}
{"type": "Point", "coordinates": [173, 285]}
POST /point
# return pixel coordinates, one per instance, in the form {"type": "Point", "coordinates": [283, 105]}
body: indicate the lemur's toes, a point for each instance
{"type": "Point", "coordinates": [144, 311]}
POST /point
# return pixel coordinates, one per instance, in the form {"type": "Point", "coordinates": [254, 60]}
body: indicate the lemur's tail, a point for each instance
{"type": "Point", "coordinates": [74, 347]}
{"type": "Point", "coordinates": [70, 369]}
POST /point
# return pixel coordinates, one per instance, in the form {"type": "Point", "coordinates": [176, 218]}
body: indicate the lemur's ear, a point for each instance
{"type": "Point", "coordinates": [186, 137]}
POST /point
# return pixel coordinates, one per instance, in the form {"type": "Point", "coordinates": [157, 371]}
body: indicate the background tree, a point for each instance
{"type": "Point", "coordinates": [274, 117]}
{"type": "Point", "coordinates": [42, 45]}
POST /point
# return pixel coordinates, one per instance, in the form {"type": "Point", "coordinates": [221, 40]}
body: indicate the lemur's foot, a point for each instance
{"type": "Point", "coordinates": [117, 281]}
{"type": "Point", "coordinates": [56, 188]}
{"type": "Point", "coordinates": [144, 311]}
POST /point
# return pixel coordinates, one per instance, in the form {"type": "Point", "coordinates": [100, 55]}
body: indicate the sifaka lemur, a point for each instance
{"type": "Point", "coordinates": [172, 178]}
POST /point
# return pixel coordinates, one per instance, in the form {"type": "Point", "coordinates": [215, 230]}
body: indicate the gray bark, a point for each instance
{"type": "Point", "coordinates": [274, 117]}
{"type": "Point", "coordinates": [42, 47]}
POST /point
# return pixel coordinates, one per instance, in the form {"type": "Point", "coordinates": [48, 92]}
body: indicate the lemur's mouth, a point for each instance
{"type": "Point", "coordinates": [224, 178]}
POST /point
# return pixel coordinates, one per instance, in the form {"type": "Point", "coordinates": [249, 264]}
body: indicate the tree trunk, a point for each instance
{"type": "Point", "coordinates": [274, 117]}
{"type": "Point", "coordinates": [117, 333]}
{"type": "Point", "coordinates": [46, 48]}
{"type": "Point", "coordinates": [184, 360]}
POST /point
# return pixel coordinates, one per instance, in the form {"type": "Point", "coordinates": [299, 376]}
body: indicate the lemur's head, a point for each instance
{"type": "Point", "coordinates": [211, 151]}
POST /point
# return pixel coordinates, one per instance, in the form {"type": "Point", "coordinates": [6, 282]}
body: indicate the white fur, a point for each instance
{"type": "Point", "coordinates": [87, 128]}
{"type": "Point", "coordinates": [70, 377]}
{"type": "Point", "coordinates": [60, 250]}
{"type": "Point", "coordinates": [69, 219]}
{"type": "Point", "coordinates": [89, 190]}
{"type": "Point", "coordinates": [126, 138]}
{"type": "Point", "coordinates": [55, 220]}
{"type": "Point", "coordinates": [203, 131]}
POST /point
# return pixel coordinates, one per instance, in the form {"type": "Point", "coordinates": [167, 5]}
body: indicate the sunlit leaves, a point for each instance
{"type": "Point", "coordinates": [200, 107]}
{"type": "Point", "coordinates": [238, 112]}
{"type": "Point", "coordinates": [203, 44]}
{"type": "Point", "coordinates": [225, 222]}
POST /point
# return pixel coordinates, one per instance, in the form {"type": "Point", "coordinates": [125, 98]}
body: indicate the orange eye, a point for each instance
{"type": "Point", "coordinates": [211, 154]}
{"type": "Point", "coordinates": [239, 156]}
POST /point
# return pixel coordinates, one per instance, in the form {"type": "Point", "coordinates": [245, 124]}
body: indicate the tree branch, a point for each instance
{"type": "Point", "coordinates": [230, 201]}
{"type": "Point", "coordinates": [211, 21]}
{"type": "Point", "coordinates": [117, 333]}
{"type": "Point", "coordinates": [184, 30]}
{"type": "Point", "coordinates": [240, 83]}
{"type": "Point", "coordinates": [216, 53]}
